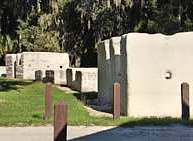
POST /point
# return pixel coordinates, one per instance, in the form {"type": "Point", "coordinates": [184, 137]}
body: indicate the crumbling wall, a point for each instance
{"type": "Point", "coordinates": [104, 73]}
{"type": "Point", "coordinates": [60, 77]}
{"type": "Point", "coordinates": [24, 65]}
{"type": "Point", "coordinates": [109, 64]}
{"type": "Point", "coordinates": [146, 62]}
{"type": "Point", "coordinates": [71, 74]}
{"type": "Point", "coordinates": [83, 79]}
{"type": "Point", "coordinates": [149, 59]}
{"type": "Point", "coordinates": [86, 80]}
{"type": "Point", "coordinates": [10, 65]}
{"type": "Point", "coordinates": [33, 61]}
{"type": "Point", "coordinates": [19, 66]}
{"type": "Point", "coordinates": [69, 77]}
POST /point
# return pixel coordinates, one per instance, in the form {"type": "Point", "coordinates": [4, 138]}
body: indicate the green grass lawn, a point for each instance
{"type": "Point", "coordinates": [22, 104]}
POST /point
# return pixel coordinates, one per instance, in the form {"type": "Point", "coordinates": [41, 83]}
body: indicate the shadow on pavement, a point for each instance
{"type": "Point", "coordinates": [142, 133]}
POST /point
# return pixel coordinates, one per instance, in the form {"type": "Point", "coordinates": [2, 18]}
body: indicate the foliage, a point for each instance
{"type": "Point", "coordinates": [90, 21]}
{"type": "Point", "coordinates": [5, 45]}
{"type": "Point", "coordinates": [38, 36]}
{"type": "Point", "coordinates": [26, 17]}
{"type": "Point", "coordinates": [76, 26]}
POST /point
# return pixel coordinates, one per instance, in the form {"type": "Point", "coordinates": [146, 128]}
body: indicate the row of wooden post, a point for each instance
{"type": "Point", "coordinates": [60, 115]}
{"type": "Point", "coordinates": [61, 110]}
{"type": "Point", "coordinates": [184, 100]}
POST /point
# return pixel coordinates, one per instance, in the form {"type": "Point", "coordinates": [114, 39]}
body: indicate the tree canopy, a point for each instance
{"type": "Point", "coordinates": [75, 26]}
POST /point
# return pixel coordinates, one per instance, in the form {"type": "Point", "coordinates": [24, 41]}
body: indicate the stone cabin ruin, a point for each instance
{"type": "Point", "coordinates": [150, 69]}
{"type": "Point", "coordinates": [84, 80]}
{"type": "Point", "coordinates": [25, 65]}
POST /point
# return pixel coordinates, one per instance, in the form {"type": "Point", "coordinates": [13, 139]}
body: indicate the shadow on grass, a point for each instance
{"type": "Point", "coordinates": [146, 129]}
{"type": "Point", "coordinates": [7, 85]}
{"type": "Point", "coordinates": [90, 99]}
{"type": "Point", "coordinates": [38, 116]}
{"type": "Point", "coordinates": [77, 95]}
{"type": "Point", "coordinates": [84, 97]}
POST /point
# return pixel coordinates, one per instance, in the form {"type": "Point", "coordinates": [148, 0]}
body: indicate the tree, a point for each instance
{"type": "Point", "coordinates": [39, 35]}
{"type": "Point", "coordinates": [85, 22]}
{"type": "Point", "coordinates": [76, 26]}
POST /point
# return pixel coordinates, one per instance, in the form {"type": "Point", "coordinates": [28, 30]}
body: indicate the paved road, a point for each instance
{"type": "Point", "coordinates": [157, 133]}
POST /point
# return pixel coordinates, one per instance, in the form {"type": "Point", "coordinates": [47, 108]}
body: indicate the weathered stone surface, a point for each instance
{"type": "Point", "coordinates": [60, 77]}
{"type": "Point", "coordinates": [27, 63]}
{"type": "Point", "coordinates": [43, 61]}
{"type": "Point", "coordinates": [86, 80]}
{"type": "Point", "coordinates": [19, 67]}
{"type": "Point", "coordinates": [72, 76]}
{"type": "Point", "coordinates": [124, 84]}
{"type": "Point", "coordinates": [148, 58]}
{"type": "Point", "coordinates": [109, 64]}
{"type": "Point", "coordinates": [104, 73]}
{"type": "Point", "coordinates": [3, 71]}
{"type": "Point", "coordinates": [152, 70]}
{"type": "Point", "coordinates": [115, 54]}
{"type": "Point", "coordinates": [10, 65]}
{"type": "Point", "coordinates": [76, 77]}
{"type": "Point", "coordinates": [83, 79]}
{"type": "Point", "coordinates": [69, 77]}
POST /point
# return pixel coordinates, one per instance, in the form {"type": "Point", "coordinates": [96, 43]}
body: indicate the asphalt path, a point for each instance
{"type": "Point", "coordinates": [98, 133]}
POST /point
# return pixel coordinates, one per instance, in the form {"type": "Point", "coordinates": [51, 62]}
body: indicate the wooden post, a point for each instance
{"type": "Point", "coordinates": [60, 122]}
{"type": "Point", "coordinates": [116, 101]}
{"type": "Point", "coordinates": [185, 101]}
{"type": "Point", "coordinates": [48, 100]}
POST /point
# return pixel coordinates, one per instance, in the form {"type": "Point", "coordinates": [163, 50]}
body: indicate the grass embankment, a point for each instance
{"type": "Point", "coordinates": [22, 104]}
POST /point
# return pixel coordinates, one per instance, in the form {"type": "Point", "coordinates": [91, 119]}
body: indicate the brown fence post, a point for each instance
{"type": "Point", "coordinates": [116, 100]}
{"type": "Point", "coordinates": [60, 122]}
{"type": "Point", "coordinates": [48, 100]}
{"type": "Point", "coordinates": [185, 101]}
